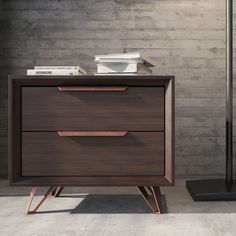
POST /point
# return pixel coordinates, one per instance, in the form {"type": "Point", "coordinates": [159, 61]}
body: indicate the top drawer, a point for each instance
{"type": "Point", "coordinates": [93, 108]}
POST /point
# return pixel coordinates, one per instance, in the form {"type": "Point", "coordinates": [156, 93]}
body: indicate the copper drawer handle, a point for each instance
{"type": "Point", "coordinates": [92, 133]}
{"type": "Point", "coordinates": [93, 88]}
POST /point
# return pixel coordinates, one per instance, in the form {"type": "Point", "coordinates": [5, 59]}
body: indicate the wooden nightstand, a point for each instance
{"type": "Point", "coordinates": [92, 131]}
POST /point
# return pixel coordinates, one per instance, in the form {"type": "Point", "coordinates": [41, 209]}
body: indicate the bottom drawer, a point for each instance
{"type": "Point", "coordinates": [136, 153]}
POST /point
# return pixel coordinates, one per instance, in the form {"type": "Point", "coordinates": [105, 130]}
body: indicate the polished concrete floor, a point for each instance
{"type": "Point", "coordinates": [113, 211]}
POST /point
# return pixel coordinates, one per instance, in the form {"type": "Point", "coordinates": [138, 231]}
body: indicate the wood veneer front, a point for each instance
{"type": "Point", "coordinates": [48, 154]}
{"type": "Point", "coordinates": [135, 109]}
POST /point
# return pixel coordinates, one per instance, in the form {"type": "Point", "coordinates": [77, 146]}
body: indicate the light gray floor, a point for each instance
{"type": "Point", "coordinates": [106, 214]}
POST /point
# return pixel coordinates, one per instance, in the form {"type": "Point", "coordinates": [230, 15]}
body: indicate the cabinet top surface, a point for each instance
{"type": "Point", "coordinates": [133, 77]}
{"type": "Point", "coordinates": [91, 79]}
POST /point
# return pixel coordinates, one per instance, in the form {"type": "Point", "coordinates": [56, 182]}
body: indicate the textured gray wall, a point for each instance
{"type": "Point", "coordinates": [185, 37]}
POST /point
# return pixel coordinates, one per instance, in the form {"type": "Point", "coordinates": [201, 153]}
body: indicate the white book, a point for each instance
{"type": "Point", "coordinates": [117, 67]}
{"type": "Point", "coordinates": [44, 72]}
{"type": "Point", "coordinates": [135, 56]}
{"type": "Point", "coordinates": [119, 74]}
{"type": "Point", "coordinates": [131, 55]}
{"type": "Point", "coordinates": [119, 60]}
{"type": "Point", "coordinates": [61, 68]}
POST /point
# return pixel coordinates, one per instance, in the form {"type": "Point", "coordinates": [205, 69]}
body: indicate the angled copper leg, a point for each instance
{"type": "Point", "coordinates": [32, 194]}
{"type": "Point", "coordinates": [154, 199]}
{"type": "Point", "coordinates": [54, 192]}
{"type": "Point", "coordinates": [57, 190]}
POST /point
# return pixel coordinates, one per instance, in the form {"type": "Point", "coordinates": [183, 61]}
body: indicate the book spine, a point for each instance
{"type": "Point", "coordinates": [119, 74]}
{"type": "Point", "coordinates": [61, 68]}
{"type": "Point", "coordinates": [117, 68]}
{"type": "Point", "coordinates": [118, 60]}
{"type": "Point", "coordinates": [56, 67]}
{"type": "Point", "coordinates": [53, 72]}
{"type": "Point", "coordinates": [131, 55]}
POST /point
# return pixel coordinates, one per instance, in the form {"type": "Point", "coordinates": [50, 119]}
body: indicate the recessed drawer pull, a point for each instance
{"type": "Point", "coordinates": [92, 133]}
{"type": "Point", "coordinates": [93, 88]}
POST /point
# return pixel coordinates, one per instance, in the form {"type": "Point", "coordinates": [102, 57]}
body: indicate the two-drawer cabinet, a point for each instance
{"type": "Point", "coordinates": [92, 131]}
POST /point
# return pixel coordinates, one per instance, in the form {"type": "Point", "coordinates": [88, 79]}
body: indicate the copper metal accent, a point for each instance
{"type": "Point", "coordinates": [32, 194]}
{"type": "Point", "coordinates": [92, 133]}
{"type": "Point", "coordinates": [154, 199]}
{"type": "Point", "coordinates": [56, 192]}
{"type": "Point", "coordinates": [93, 88]}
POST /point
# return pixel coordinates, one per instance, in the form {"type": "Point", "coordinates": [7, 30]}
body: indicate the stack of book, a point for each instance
{"type": "Point", "coordinates": [124, 64]}
{"type": "Point", "coordinates": [56, 70]}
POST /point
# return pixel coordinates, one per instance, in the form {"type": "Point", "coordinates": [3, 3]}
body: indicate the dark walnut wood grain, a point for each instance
{"type": "Point", "coordinates": [136, 104]}
{"type": "Point", "coordinates": [132, 109]}
{"type": "Point", "coordinates": [136, 153]}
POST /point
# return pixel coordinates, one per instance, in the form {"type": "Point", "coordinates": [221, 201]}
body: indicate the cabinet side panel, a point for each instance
{"type": "Point", "coordinates": [14, 132]}
{"type": "Point", "coordinates": [170, 131]}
